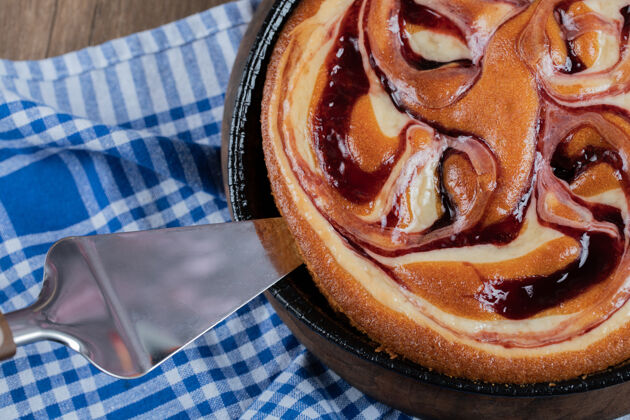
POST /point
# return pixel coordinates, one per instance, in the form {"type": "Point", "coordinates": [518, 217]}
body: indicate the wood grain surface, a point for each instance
{"type": "Point", "coordinates": [34, 29]}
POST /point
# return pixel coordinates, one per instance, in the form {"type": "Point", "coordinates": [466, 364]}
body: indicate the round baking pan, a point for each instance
{"type": "Point", "coordinates": [328, 335]}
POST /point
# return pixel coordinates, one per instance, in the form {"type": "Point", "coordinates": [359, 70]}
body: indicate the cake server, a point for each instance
{"type": "Point", "coordinates": [128, 301]}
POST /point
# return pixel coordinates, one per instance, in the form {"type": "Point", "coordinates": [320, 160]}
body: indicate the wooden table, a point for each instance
{"type": "Point", "coordinates": [34, 29]}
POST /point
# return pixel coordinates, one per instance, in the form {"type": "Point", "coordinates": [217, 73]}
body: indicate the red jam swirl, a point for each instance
{"type": "Point", "coordinates": [346, 83]}
{"type": "Point", "coordinates": [513, 298]}
{"type": "Point", "coordinates": [573, 63]}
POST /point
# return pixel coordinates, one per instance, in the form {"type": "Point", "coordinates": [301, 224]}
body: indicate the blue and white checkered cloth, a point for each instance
{"type": "Point", "coordinates": [126, 136]}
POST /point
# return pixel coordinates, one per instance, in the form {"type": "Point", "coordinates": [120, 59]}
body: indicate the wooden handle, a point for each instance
{"type": "Point", "coordinates": [7, 345]}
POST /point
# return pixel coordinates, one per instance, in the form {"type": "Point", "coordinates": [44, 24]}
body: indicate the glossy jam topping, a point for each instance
{"type": "Point", "coordinates": [472, 153]}
{"type": "Point", "coordinates": [513, 298]}
{"type": "Point", "coordinates": [346, 83]}
{"type": "Point", "coordinates": [573, 63]}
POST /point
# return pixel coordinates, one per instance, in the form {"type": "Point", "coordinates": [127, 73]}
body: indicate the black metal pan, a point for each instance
{"type": "Point", "coordinates": [401, 384]}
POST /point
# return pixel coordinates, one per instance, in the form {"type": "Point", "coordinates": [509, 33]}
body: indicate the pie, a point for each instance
{"type": "Point", "coordinates": [455, 174]}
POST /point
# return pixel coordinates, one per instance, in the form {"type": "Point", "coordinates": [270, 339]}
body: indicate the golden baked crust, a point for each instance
{"type": "Point", "coordinates": [578, 344]}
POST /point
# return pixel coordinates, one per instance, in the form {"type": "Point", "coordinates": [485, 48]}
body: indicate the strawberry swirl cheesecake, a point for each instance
{"type": "Point", "coordinates": [455, 174]}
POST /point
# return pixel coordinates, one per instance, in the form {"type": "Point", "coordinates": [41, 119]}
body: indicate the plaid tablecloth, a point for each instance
{"type": "Point", "coordinates": [122, 137]}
